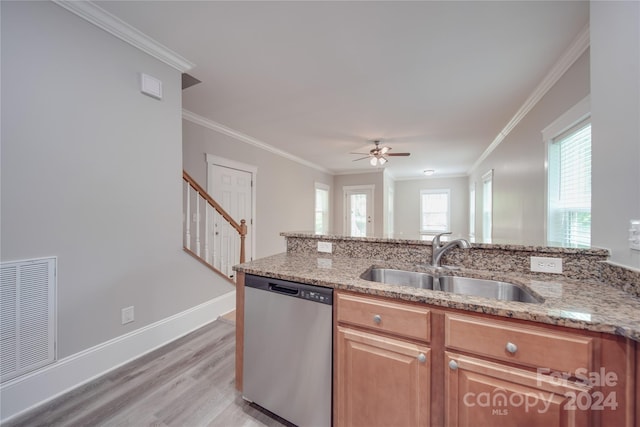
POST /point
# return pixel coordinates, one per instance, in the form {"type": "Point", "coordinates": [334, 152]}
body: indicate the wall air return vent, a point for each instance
{"type": "Point", "coordinates": [27, 316]}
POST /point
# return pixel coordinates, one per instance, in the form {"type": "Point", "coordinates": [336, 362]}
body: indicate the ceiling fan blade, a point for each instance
{"type": "Point", "coordinates": [364, 154]}
{"type": "Point", "coordinates": [398, 154]}
{"type": "Point", "coordinates": [361, 158]}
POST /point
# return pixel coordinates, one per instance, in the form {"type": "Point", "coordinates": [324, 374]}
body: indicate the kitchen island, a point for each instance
{"type": "Point", "coordinates": [601, 320]}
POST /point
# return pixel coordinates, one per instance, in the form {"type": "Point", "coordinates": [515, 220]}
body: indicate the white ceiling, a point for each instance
{"type": "Point", "coordinates": [318, 80]}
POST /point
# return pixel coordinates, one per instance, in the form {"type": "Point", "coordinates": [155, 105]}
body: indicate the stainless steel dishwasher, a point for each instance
{"type": "Point", "coordinates": [288, 349]}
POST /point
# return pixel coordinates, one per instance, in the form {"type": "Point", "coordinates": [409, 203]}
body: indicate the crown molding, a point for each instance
{"type": "Point", "coordinates": [578, 46]}
{"type": "Point", "coordinates": [433, 177]}
{"type": "Point", "coordinates": [372, 170]}
{"type": "Point", "coordinates": [99, 17]}
{"type": "Point", "coordinates": [210, 124]}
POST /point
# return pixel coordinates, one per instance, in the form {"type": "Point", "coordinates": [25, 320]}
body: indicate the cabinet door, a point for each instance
{"type": "Point", "coordinates": [380, 381]}
{"type": "Point", "coordinates": [481, 393]}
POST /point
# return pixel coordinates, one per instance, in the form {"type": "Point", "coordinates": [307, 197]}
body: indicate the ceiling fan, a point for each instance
{"type": "Point", "coordinates": [378, 155]}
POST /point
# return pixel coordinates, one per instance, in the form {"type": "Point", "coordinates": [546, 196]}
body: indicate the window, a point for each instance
{"type": "Point", "coordinates": [322, 209]}
{"type": "Point", "coordinates": [472, 210]}
{"type": "Point", "coordinates": [569, 187]}
{"type": "Point", "coordinates": [434, 211]}
{"type": "Point", "coordinates": [487, 206]}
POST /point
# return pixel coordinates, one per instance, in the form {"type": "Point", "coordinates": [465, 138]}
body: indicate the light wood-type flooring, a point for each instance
{"type": "Point", "coordinates": [189, 382]}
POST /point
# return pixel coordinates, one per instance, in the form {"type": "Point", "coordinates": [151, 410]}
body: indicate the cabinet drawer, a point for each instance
{"type": "Point", "coordinates": [400, 319]}
{"type": "Point", "coordinates": [542, 348]}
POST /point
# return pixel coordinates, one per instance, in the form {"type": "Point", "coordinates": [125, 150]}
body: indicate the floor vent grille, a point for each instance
{"type": "Point", "coordinates": [27, 316]}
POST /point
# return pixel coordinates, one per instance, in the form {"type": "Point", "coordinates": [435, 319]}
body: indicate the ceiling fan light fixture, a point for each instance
{"type": "Point", "coordinates": [378, 155]}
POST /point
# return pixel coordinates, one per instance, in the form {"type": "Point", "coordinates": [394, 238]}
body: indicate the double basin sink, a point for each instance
{"type": "Point", "coordinates": [454, 284]}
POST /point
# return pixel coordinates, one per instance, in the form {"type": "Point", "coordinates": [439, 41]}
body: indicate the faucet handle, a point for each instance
{"type": "Point", "coordinates": [436, 240]}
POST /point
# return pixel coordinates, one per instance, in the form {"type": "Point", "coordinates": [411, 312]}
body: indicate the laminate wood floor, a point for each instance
{"type": "Point", "coordinates": [189, 382]}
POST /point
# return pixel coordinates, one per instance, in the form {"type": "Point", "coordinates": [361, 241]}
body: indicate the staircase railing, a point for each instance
{"type": "Point", "coordinates": [211, 235]}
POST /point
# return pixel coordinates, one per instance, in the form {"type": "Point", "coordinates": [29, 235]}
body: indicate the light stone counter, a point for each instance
{"type": "Point", "coordinates": [582, 303]}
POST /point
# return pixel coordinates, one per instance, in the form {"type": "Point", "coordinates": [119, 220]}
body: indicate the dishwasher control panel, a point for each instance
{"type": "Point", "coordinates": [313, 293]}
{"type": "Point", "coordinates": [314, 296]}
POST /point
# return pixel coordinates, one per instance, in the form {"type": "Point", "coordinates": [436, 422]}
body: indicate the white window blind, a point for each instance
{"type": "Point", "coordinates": [434, 211]}
{"type": "Point", "coordinates": [569, 187]}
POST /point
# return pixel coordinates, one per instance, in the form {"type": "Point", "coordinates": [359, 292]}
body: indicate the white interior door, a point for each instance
{"type": "Point", "coordinates": [358, 207]}
{"type": "Point", "coordinates": [232, 188]}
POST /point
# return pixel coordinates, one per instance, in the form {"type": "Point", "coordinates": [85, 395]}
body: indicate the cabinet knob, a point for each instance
{"type": "Point", "coordinates": [511, 348]}
{"type": "Point", "coordinates": [377, 319]}
{"type": "Point", "coordinates": [453, 365]}
{"type": "Point", "coordinates": [422, 358]}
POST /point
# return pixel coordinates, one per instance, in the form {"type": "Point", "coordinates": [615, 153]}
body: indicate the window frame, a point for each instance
{"type": "Point", "coordinates": [428, 231]}
{"type": "Point", "coordinates": [576, 115]}
{"type": "Point", "coordinates": [472, 210]}
{"type": "Point", "coordinates": [326, 223]}
{"type": "Point", "coordinates": [487, 222]}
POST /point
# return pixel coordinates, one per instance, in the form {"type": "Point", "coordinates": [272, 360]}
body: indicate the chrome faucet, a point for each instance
{"type": "Point", "coordinates": [439, 249]}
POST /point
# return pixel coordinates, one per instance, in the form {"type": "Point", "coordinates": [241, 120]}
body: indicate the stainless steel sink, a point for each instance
{"type": "Point", "coordinates": [399, 277]}
{"type": "Point", "coordinates": [454, 284]}
{"type": "Point", "coordinates": [486, 288]}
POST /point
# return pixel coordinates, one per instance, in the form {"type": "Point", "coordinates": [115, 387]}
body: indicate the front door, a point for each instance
{"type": "Point", "coordinates": [358, 203]}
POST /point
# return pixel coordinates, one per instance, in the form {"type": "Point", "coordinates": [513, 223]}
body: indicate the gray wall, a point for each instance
{"type": "Point", "coordinates": [91, 173]}
{"type": "Point", "coordinates": [285, 190]}
{"type": "Point", "coordinates": [518, 164]}
{"type": "Point", "coordinates": [615, 105]}
{"type": "Point", "coordinates": [407, 204]}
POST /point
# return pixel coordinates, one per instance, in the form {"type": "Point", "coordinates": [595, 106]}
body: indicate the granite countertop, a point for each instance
{"type": "Point", "coordinates": [588, 305]}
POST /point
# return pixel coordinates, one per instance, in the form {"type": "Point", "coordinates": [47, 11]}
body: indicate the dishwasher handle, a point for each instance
{"type": "Point", "coordinates": [282, 289]}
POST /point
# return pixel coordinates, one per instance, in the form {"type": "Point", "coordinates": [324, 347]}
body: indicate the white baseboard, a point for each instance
{"type": "Point", "coordinates": [24, 393]}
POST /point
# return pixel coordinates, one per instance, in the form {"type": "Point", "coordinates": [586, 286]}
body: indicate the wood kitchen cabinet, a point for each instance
{"type": "Point", "coordinates": [382, 381]}
{"type": "Point", "coordinates": [483, 393]}
{"type": "Point", "coordinates": [382, 364]}
{"type": "Point", "coordinates": [477, 370]}
{"type": "Point", "coordinates": [536, 376]}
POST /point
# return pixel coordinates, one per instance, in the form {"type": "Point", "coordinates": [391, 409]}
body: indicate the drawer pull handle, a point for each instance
{"type": "Point", "coordinates": [377, 319]}
{"type": "Point", "coordinates": [511, 348]}
{"type": "Point", "coordinates": [422, 358]}
{"type": "Point", "coordinates": [453, 365]}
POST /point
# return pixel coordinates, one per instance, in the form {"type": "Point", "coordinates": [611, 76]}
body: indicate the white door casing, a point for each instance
{"type": "Point", "coordinates": [232, 184]}
{"type": "Point", "coordinates": [358, 210]}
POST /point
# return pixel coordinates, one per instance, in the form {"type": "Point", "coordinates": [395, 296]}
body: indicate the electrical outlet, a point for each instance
{"type": "Point", "coordinates": [127, 315]}
{"type": "Point", "coordinates": [546, 265]}
{"type": "Point", "coordinates": [325, 247]}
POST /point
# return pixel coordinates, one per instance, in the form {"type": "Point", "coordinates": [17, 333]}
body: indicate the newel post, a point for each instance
{"type": "Point", "coordinates": [243, 233]}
